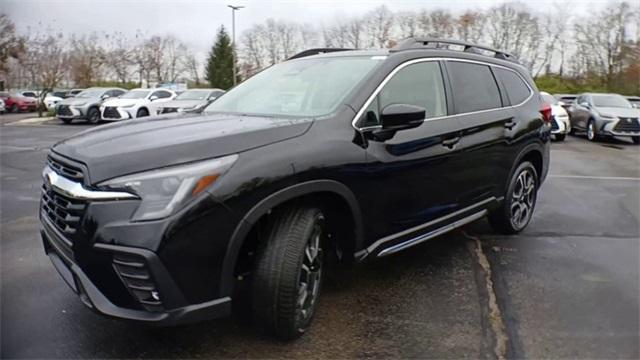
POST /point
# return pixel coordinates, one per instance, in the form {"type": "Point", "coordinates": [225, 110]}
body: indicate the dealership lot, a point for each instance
{"type": "Point", "coordinates": [566, 287]}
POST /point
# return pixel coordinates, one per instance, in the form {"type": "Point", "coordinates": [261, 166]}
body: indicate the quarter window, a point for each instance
{"type": "Point", "coordinates": [474, 87]}
{"type": "Point", "coordinates": [516, 88]}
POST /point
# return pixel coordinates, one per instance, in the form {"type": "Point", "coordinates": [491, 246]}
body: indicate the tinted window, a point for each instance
{"type": "Point", "coordinates": [162, 94]}
{"type": "Point", "coordinates": [474, 87]}
{"type": "Point", "coordinates": [418, 84]}
{"type": "Point", "coordinates": [516, 88]}
{"type": "Point", "coordinates": [610, 101]}
{"type": "Point", "coordinates": [116, 93]}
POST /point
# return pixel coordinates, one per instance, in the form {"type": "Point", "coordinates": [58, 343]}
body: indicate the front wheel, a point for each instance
{"type": "Point", "coordinates": [93, 116]}
{"type": "Point", "coordinates": [288, 273]}
{"type": "Point", "coordinates": [516, 210]}
{"type": "Point", "coordinates": [142, 113]}
{"type": "Point", "coordinates": [591, 130]}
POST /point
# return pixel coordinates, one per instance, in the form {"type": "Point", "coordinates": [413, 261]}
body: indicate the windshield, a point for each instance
{"type": "Point", "coordinates": [306, 87]}
{"type": "Point", "coordinates": [135, 94]}
{"type": "Point", "coordinates": [193, 95]}
{"type": "Point", "coordinates": [90, 93]}
{"type": "Point", "coordinates": [610, 101]}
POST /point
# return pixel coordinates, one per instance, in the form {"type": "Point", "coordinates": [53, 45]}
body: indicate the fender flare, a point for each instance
{"type": "Point", "coordinates": [273, 200]}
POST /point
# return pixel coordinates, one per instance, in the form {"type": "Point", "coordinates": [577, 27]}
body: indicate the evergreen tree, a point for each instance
{"type": "Point", "coordinates": [220, 62]}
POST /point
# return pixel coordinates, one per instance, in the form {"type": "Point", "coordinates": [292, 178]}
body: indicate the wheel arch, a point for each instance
{"type": "Point", "coordinates": [326, 191]}
{"type": "Point", "coordinates": [534, 154]}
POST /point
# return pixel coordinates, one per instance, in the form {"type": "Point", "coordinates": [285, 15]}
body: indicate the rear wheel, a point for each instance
{"type": "Point", "coordinates": [66, 121]}
{"type": "Point", "coordinates": [519, 202]}
{"type": "Point", "coordinates": [636, 140]}
{"type": "Point", "coordinates": [591, 131]}
{"type": "Point", "coordinates": [142, 113]}
{"type": "Point", "coordinates": [93, 116]}
{"type": "Point", "coordinates": [14, 108]}
{"type": "Point", "coordinates": [288, 274]}
{"type": "Point", "coordinates": [560, 137]}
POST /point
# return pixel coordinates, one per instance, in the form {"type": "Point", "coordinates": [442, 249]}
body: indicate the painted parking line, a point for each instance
{"type": "Point", "coordinates": [617, 178]}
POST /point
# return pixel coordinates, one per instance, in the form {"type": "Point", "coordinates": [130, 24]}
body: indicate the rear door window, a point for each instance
{"type": "Point", "coordinates": [474, 87]}
{"type": "Point", "coordinates": [517, 89]}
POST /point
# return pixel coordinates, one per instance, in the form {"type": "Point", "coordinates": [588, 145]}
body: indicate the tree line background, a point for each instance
{"type": "Point", "coordinates": [599, 51]}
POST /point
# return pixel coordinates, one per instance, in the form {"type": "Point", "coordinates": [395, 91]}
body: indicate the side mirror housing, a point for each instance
{"type": "Point", "coordinates": [584, 104]}
{"type": "Point", "coordinates": [402, 116]}
{"type": "Point", "coordinates": [105, 96]}
{"type": "Point", "coordinates": [153, 98]}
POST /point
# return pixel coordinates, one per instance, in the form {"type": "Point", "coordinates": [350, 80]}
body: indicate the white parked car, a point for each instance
{"type": "Point", "coordinates": [135, 103]}
{"type": "Point", "coordinates": [560, 123]}
{"type": "Point", "coordinates": [50, 101]}
{"type": "Point", "coordinates": [2, 108]}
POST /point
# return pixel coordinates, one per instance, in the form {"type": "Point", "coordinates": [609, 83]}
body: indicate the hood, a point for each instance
{"type": "Point", "coordinates": [78, 101]}
{"type": "Point", "coordinates": [154, 142]}
{"type": "Point", "coordinates": [123, 102]}
{"type": "Point", "coordinates": [25, 99]}
{"type": "Point", "coordinates": [183, 103]}
{"type": "Point", "coordinates": [618, 111]}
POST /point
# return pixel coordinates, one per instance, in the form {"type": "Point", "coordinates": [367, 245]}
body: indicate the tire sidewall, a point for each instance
{"type": "Point", "coordinates": [591, 125]}
{"type": "Point", "coordinates": [142, 113]}
{"type": "Point", "coordinates": [91, 119]}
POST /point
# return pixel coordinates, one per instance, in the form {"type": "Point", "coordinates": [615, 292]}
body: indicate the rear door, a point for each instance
{"type": "Point", "coordinates": [487, 124]}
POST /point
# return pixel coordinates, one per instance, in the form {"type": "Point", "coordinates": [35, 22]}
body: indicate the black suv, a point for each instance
{"type": "Point", "coordinates": [329, 156]}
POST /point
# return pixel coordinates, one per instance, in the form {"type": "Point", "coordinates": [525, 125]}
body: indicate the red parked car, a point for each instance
{"type": "Point", "coordinates": [16, 102]}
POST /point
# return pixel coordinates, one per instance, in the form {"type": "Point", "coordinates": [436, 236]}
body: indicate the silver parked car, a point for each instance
{"type": "Point", "coordinates": [86, 104]}
{"type": "Point", "coordinates": [605, 115]}
{"type": "Point", "coordinates": [191, 101]}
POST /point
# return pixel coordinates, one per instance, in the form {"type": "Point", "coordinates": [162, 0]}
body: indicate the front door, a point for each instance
{"type": "Point", "coordinates": [413, 176]}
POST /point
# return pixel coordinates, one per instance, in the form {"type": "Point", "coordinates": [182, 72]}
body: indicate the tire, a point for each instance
{"type": "Point", "coordinates": [142, 113]}
{"type": "Point", "coordinates": [282, 304]}
{"type": "Point", "coordinates": [14, 108]}
{"type": "Point", "coordinates": [66, 121]}
{"type": "Point", "coordinates": [636, 140]}
{"type": "Point", "coordinates": [506, 219]}
{"type": "Point", "coordinates": [592, 135]}
{"type": "Point", "coordinates": [93, 116]}
{"type": "Point", "coordinates": [561, 137]}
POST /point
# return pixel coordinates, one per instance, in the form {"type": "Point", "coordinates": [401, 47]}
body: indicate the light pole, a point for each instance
{"type": "Point", "coordinates": [233, 38]}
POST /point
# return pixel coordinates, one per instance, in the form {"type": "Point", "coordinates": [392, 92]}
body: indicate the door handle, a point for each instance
{"type": "Point", "coordinates": [450, 143]}
{"type": "Point", "coordinates": [510, 123]}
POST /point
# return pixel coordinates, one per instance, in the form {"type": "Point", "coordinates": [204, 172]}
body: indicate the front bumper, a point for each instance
{"type": "Point", "coordinates": [71, 112]}
{"type": "Point", "coordinates": [175, 309]}
{"type": "Point", "coordinates": [612, 127]}
{"type": "Point", "coordinates": [560, 125]}
{"type": "Point", "coordinates": [115, 113]}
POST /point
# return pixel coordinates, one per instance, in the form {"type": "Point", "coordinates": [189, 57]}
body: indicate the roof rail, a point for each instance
{"type": "Point", "coordinates": [430, 43]}
{"type": "Point", "coordinates": [316, 51]}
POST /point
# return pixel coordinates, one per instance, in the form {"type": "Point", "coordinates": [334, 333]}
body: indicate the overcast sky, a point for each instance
{"type": "Point", "coordinates": [195, 21]}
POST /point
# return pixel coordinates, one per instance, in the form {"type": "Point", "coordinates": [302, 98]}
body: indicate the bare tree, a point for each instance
{"type": "Point", "coordinates": [512, 27]}
{"type": "Point", "coordinates": [470, 26]}
{"type": "Point", "coordinates": [11, 44]}
{"type": "Point", "coordinates": [409, 23]}
{"type": "Point", "coordinates": [87, 59]}
{"type": "Point", "coordinates": [379, 23]}
{"type": "Point", "coordinates": [119, 56]}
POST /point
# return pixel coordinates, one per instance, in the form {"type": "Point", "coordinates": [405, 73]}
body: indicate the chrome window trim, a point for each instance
{"type": "Point", "coordinates": [75, 190]}
{"type": "Point", "coordinates": [416, 61]}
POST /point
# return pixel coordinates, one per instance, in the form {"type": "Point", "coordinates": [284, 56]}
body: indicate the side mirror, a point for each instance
{"type": "Point", "coordinates": [561, 103]}
{"type": "Point", "coordinates": [153, 98]}
{"type": "Point", "coordinates": [584, 104]}
{"type": "Point", "coordinates": [402, 116]}
{"type": "Point", "coordinates": [211, 98]}
{"type": "Point", "coordinates": [105, 96]}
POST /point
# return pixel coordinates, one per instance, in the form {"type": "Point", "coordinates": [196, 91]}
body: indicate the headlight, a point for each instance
{"type": "Point", "coordinates": [167, 190]}
{"type": "Point", "coordinates": [609, 117]}
{"type": "Point", "coordinates": [128, 106]}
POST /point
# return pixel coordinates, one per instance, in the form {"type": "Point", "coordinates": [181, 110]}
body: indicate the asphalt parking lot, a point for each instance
{"type": "Point", "coordinates": [567, 287]}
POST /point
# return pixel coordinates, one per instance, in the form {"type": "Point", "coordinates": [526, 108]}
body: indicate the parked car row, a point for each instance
{"type": "Point", "coordinates": [16, 102]}
{"type": "Point", "coordinates": [596, 114]}
{"type": "Point", "coordinates": [115, 104]}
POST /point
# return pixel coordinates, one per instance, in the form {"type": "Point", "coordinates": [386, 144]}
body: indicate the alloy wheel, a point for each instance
{"type": "Point", "coordinates": [523, 199]}
{"type": "Point", "coordinates": [310, 276]}
{"type": "Point", "coordinates": [591, 134]}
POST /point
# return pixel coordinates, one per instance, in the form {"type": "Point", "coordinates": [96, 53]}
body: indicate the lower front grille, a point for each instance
{"type": "Point", "coordinates": [111, 112]}
{"type": "Point", "coordinates": [627, 125]}
{"type": "Point", "coordinates": [64, 110]}
{"type": "Point", "coordinates": [135, 275]}
{"type": "Point", "coordinates": [63, 212]}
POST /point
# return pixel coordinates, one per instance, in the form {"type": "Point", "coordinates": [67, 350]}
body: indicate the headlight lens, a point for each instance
{"type": "Point", "coordinates": [127, 106]}
{"type": "Point", "coordinates": [607, 116]}
{"type": "Point", "coordinates": [167, 190]}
